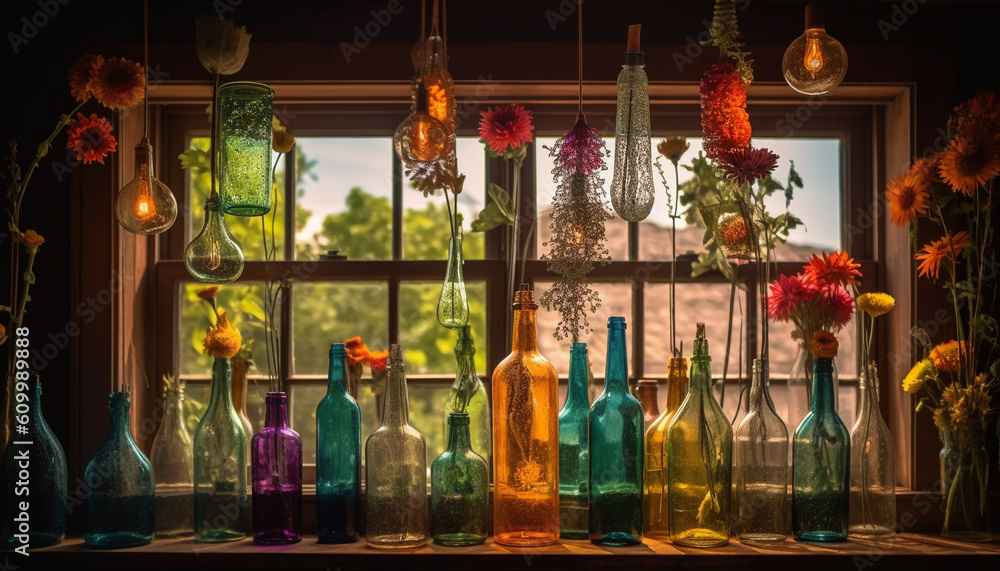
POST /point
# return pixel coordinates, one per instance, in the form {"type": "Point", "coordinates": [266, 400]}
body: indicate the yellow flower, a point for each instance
{"type": "Point", "coordinates": [918, 375]}
{"type": "Point", "coordinates": [950, 398]}
{"type": "Point", "coordinates": [31, 240]}
{"type": "Point", "coordinates": [281, 140]}
{"type": "Point", "coordinates": [223, 339]}
{"type": "Point", "coordinates": [876, 304]}
{"type": "Point", "coordinates": [222, 47]}
{"type": "Point", "coordinates": [673, 148]}
{"type": "Point", "coordinates": [948, 356]}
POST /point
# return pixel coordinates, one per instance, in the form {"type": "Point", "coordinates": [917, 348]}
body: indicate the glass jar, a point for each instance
{"type": "Point", "coordinates": [966, 499]}
{"type": "Point", "coordinates": [574, 449]}
{"type": "Point", "coordinates": [245, 123]}
{"type": "Point", "coordinates": [276, 464]}
{"type": "Point", "coordinates": [338, 456]}
{"type": "Point", "coordinates": [172, 457]}
{"type": "Point", "coordinates": [460, 486]}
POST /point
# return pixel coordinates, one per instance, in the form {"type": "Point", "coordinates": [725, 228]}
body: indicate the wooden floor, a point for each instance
{"type": "Point", "coordinates": [906, 551]}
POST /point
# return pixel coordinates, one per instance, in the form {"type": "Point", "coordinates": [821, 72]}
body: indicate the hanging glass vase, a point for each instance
{"type": "Point", "coordinates": [460, 485]}
{"type": "Point", "coordinates": [655, 513]}
{"type": "Point", "coordinates": [245, 112]}
{"type": "Point", "coordinates": [213, 257]}
{"type": "Point", "coordinates": [468, 394]}
{"type": "Point", "coordinates": [44, 488]}
{"type": "Point", "coordinates": [172, 457]}
{"type": "Point", "coordinates": [276, 465]}
{"type": "Point", "coordinates": [872, 509]}
{"type": "Point", "coordinates": [453, 303]}
{"type": "Point", "coordinates": [965, 467]}
{"type": "Point", "coordinates": [632, 183]}
{"type": "Point", "coordinates": [121, 509]}
{"type": "Point", "coordinates": [574, 449]}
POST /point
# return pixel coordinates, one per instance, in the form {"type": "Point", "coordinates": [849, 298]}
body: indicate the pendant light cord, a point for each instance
{"type": "Point", "coordinates": [145, 68]}
{"type": "Point", "coordinates": [579, 35]}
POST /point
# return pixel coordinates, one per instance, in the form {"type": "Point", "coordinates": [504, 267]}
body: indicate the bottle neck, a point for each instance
{"type": "Point", "coordinates": [577, 386]}
{"type": "Point", "coordinates": [616, 367]}
{"type": "Point", "coordinates": [395, 409]}
{"type": "Point", "coordinates": [758, 384]}
{"type": "Point", "coordinates": [677, 382]}
{"type": "Point", "coordinates": [222, 384]}
{"type": "Point", "coordinates": [822, 385]}
{"type": "Point", "coordinates": [336, 377]}
{"type": "Point", "coordinates": [868, 385]}
{"type": "Point", "coordinates": [525, 340]}
{"type": "Point", "coordinates": [458, 433]}
{"type": "Point", "coordinates": [275, 415]}
{"type": "Point", "coordinates": [119, 403]}
{"type": "Point", "coordinates": [701, 376]}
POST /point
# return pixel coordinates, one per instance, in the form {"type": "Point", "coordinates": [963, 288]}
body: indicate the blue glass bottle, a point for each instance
{"type": "Point", "coordinates": [821, 465]}
{"type": "Point", "coordinates": [45, 487]}
{"type": "Point", "coordinates": [574, 449]}
{"type": "Point", "coordinates": [616, 451]}
{"type": "Point", "coordinates": [121, 509]}
{"type": "Point", "coordinates": [338, 456]}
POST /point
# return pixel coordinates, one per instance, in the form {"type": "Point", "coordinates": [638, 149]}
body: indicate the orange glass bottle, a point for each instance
{"type": "Point", "coordinates": [525, 437]}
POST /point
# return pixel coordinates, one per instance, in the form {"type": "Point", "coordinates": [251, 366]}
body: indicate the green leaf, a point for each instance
{"type": "Point", "coordinates": [488, 218]}
{"type": "Point", "coordinates": [195, 159]}
{"type": "Point", "coordinates": [986, 326]}
{"type": "Point", "coordinates": [29, 277]}
{"type": "Point", "coordinates": [503, 202]}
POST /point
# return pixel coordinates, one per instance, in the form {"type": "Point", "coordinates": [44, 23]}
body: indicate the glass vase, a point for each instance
{"type": "Point", "coordinates": [821, 465]}
{"type": "Point", "coordinates": [453, 303]}
{"type": "Point", "coordinates": [526, 437]}
{"type": "Point", "coordinates": [121, 509]}
{"type": "Point", "coordinates": [966, 500]}
{"type": "Point", "coordinates": [574, 449]}
{"type": "Point", "coordinates": [655, 513]}
{"type": "Point", "coordinates": [468, 395]}
{"type": "Point", "coordinates": [220, 464]}
{"type": "Point", "coordinates": [43, 523]}
{"type": "Point", "coordinates": [338, 456]}
{"type": "Point", "coordinates": [616, 440]}
{"type": "Point", "coordinates": [213, 256]}
{"type": "Point", "coordinates": [632, 183]}
{"type": "Point", "coordinates": [276, 464]}
{"type": "Point", "coordinates": [245, 112]}
{"type": "Point", "coordinates": [172, 458]}
{"type": "Point", "coordinates": [460, 485]}
{"type": "Point", "coordinates": [700, 459]}
{"type": "Point", "coordinates": [872, 509]}
{"type": "Point", "coordinates": [396, 470]}
{"type": "Point", "coordinates": [760, 466]}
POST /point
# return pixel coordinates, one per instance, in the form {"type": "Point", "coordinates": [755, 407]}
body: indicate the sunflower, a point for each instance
{"type": "Point", "coordinates": [80, 75]}
{"type": "Point", "coordinates": [223, 339]}
{"type": "Point", "coordinates": [824, 344]}
{"type": "Point", "coordinates": [505, 128]}
{"type": "Point", "coordinates": [918, 375]}
{"type": "Point", "coordinates": [967, 164]}
{"type": "Point", "coordinates": [834, 268]}
{"type": "Point", "coordinates": [90, 137]}
{"type": "Point", "coordinates": [673, 148]}
{"type": "Point", "coordinates": [876, 304]}
{"type": "Point", "coordinates": [948, 356]}
{"type": "Point", "coordinates": [747, 165]}
{"type": "Point", "coordinates": [907, 196]}
{"type": "Point", "coordinates": [118, 83]}
{"type": "Point", "coordinates": [932, 254]}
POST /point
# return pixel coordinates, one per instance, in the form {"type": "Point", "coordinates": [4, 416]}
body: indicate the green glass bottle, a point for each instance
{"type": "Point", "coordinates": [460, 485]}
{"type": "Point", "coordinates": [700, 460]}
{"type": "Point", "coordinates": [574, 449]}
{"type": "Point", "coordinates": [338, 456]}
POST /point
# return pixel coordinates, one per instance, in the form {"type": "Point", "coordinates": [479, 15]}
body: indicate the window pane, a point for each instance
{"type": "Point", "coordinates": [426, 407]}
{"type": "Point", "coordinates": [243, 302]}
{"type": "Point", "coordinates": [244, 230]}
{"type": "Point", "coordinates": [344, 191]}
{"type": "Point", "coordinates": [326, 313]}
{"type": "Point", "coordinates": [425, 218]}
{"type": "Point", "coordinates": [198, 392]}
{"type": "Point", "coordinates": [429, 348]}
{"type": "Point", "coordinates": [303, 398]}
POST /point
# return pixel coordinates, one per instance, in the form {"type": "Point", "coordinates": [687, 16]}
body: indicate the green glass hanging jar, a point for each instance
{"type": "Point", "coordinates": [460, 485]}
{"type": "Point", "coordinates": [574, 449]}
{"type": "Point", "coordinates": [213, 256]}
{"type": "Point", "coordinates": [469, 395]}
{"type": "Point", "coordinates": [245, 124]}
{"type": "Point", "coordinates": [453, 303]}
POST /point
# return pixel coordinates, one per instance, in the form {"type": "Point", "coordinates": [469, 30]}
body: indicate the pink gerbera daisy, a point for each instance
{"type": "Point", "coordinates": [787, 293]}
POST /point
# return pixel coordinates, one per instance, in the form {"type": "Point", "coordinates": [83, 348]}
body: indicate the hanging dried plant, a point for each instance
{"type": "Point", "coordinates": [577, 243]}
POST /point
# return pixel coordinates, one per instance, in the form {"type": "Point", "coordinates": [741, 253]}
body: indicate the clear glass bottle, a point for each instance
{"type": "Point", "coordinates": [574, 449]}
{"type": "Point", "coordinates": [526, 437]}
{"type": "Point", "coordinates": [396, 470]}
{"type": "Point", "coordinates": [655, 520]}
{"type": "Point", "coordinates": [338, 456]}
{"type": "Point", "coordinates": [632, 183]}
{"type": "Point", "coordinates": [821, 465]}
{"type": "Point", "coordinates": [220, 464]}
{"type": "Point", "coordinates": [172, 458]}
{"type": "Point", "coordinates": [699, 467]}
{"type": "Point", "coordinates": [276, 464]}
{"type": "Point", "coordinates": [469, 395]}
{"type": "Point", "coordinates": [616, 451]}
{"type": "Point", "coordinates": [872, 509]}
{"type": "Point", "coordinates": [460, 489]}
{"type": "Point", "coordinates": [760, 466]}
{"type": "Point", "coordinates": [121, 509]}
{"type": "Point", "coordinates": [646, 391]}
{"type": "Point", "coordinates": [46, 482]}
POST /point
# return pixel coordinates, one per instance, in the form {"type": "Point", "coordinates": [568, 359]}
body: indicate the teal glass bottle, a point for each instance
{"type": "Point", "coordinates": [44, 488]}
{"type": "Point", "coordinates": [338, 456]}
{"type": "Point", "coordinates": [574, 449]}
{"type": "Point", "coordinates": [821, 465]}
{"type": "Point", "coordinates": [468, 394]}
{"type": "Point", "coordinates": [460, 486]}
{"type": "Point", "coordinates": [220, 464]}
{"type": "Point", "coordinates": [121, 509]}
{"type": "Point", "coordinates": [617, 430]}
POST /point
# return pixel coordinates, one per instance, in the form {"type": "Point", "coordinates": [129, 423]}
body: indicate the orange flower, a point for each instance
{"type": "Point", "coordinates": [81, 74]}
{"type": "Point", "coordinates": [208, 293]}
{"type": "Point", "coordinates": [505, 128]}
{"type": "Point", "coordinates": [378, 360]}
{"type": "Point", "coordinates": [907, 197]}
{"type": "Point", "coordinates": [3, 332]}
{"type": "Point", "coordinates": [824, 344]}
{"type": "Point", "coordinates": [357, 352]}
{"type": "Point", "coordinates": [673, 148]}
{"type": "Point", "coordinates": [967, 164]}
{"type": "Point", "coordinates": [981, 114]}
{"type": "Point", "coordinates": [836, 268]}
{"type": "Point", "coordinates": [31, 240]}
{"type": "Point", "coordinates": [948, 356]}
{"type": "Point", "coordinates": [118, 83]}
{"type": "Point", "coordinates": [223, 339]}
{"type": "Point", "coordinates": [725, 123]}
{"type": "Point", "coordinates": [931, 255]}
{"type": "Point", "coordinates": [90, 137]}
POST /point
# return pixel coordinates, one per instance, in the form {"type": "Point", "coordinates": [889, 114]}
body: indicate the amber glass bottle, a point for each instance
{"type": "Point", "coordinates": [525, 437]}
{"type": "Point", "coordinates": [655, 480]}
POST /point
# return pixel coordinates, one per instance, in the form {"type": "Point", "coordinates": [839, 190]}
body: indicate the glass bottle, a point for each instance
{"type": "Point", "coordinates": [655, 520]}
{"type": "Point", "coordinates": [574, 449]}
{"type": "Point", "coordinates": [872, 509]}
{"type": "Point", "coordinates": [820, 465]}
{"type": "Point", "coordinates": [460, 489]}
{"type": "Point", "coordinates": [220, 464]}
{"type": "Point", "coordinates": [966, 502]}
{"type": "Point", "coordinates": [172, 458]}
{"type": "Point", "coordinates": [616, 440]}
{"type": "Point", "coordinates": [632, 184]}
{"type": "Point", "coordinates": [760, 466]}
{"type": "Point", "coordinates": [241, 368]}
{"type": "Point", "coordinates": [121, 509]}
{"type": "Point", "coordinates": [45, 486]}
{"type": "Point", "coordinates": [453, 303]}
{"type": "Point", "coordinates": [213, 257]}
{"type": "Point", "coordinates": [277, 476]}
{"type": "Point", "coordinates": [800, 388]}
{"type": "Point", "coordinates": [526, 437]}
{"type": "Point", "coordinates": [338, 456]}
{"type": "Point", "coordinates": [245, 123]}
{"type": "Point", "coordinates": [468, 395]}
{"type": "Point", "coordinates": [396, 470]}
{"type": "Point", "coordinates": [646, 391]}
{"type": "Point", "coordinates": [699, 467]}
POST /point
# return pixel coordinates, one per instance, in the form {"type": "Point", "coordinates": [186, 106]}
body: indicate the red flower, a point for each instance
{"type": "Point", "coordinates": [748, 165]}
{"type": "Point", "coordinates": [118, 83]}
{"type": "Point", "coordinates": [505, 128]}
{"type": "Point", "coordinates": [836, 268]}
{"type": "Point", "coordinates": [725, 123]}
{"type": "Point", "coordinates": [378, 360]}
{"type": "Point", "coordinates": [90, 137]}
{"type": "Point", "coordinates": [838, 306]}
{"type": "Point", "coordinates": [787, 293]}
{"type": "Point", "coordinates": [81, 73]}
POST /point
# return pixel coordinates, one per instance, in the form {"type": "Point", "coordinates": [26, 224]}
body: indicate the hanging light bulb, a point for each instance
{"type": "Point", "coordinates": [213, 257]}
{"type": "Point", "coordinates": [439, 84]}
{"type": "Point", "coordinates": [632, 184]}
{"type": "Point", "coordinates": [420, 138]}
{"type": "Point", "coordinates": [145, 205]}
{"type": "Point", "coordinates": [814, 63]}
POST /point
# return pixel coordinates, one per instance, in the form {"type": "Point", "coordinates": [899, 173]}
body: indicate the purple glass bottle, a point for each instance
{"type": "Point", "coordinates": [277, 477]}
